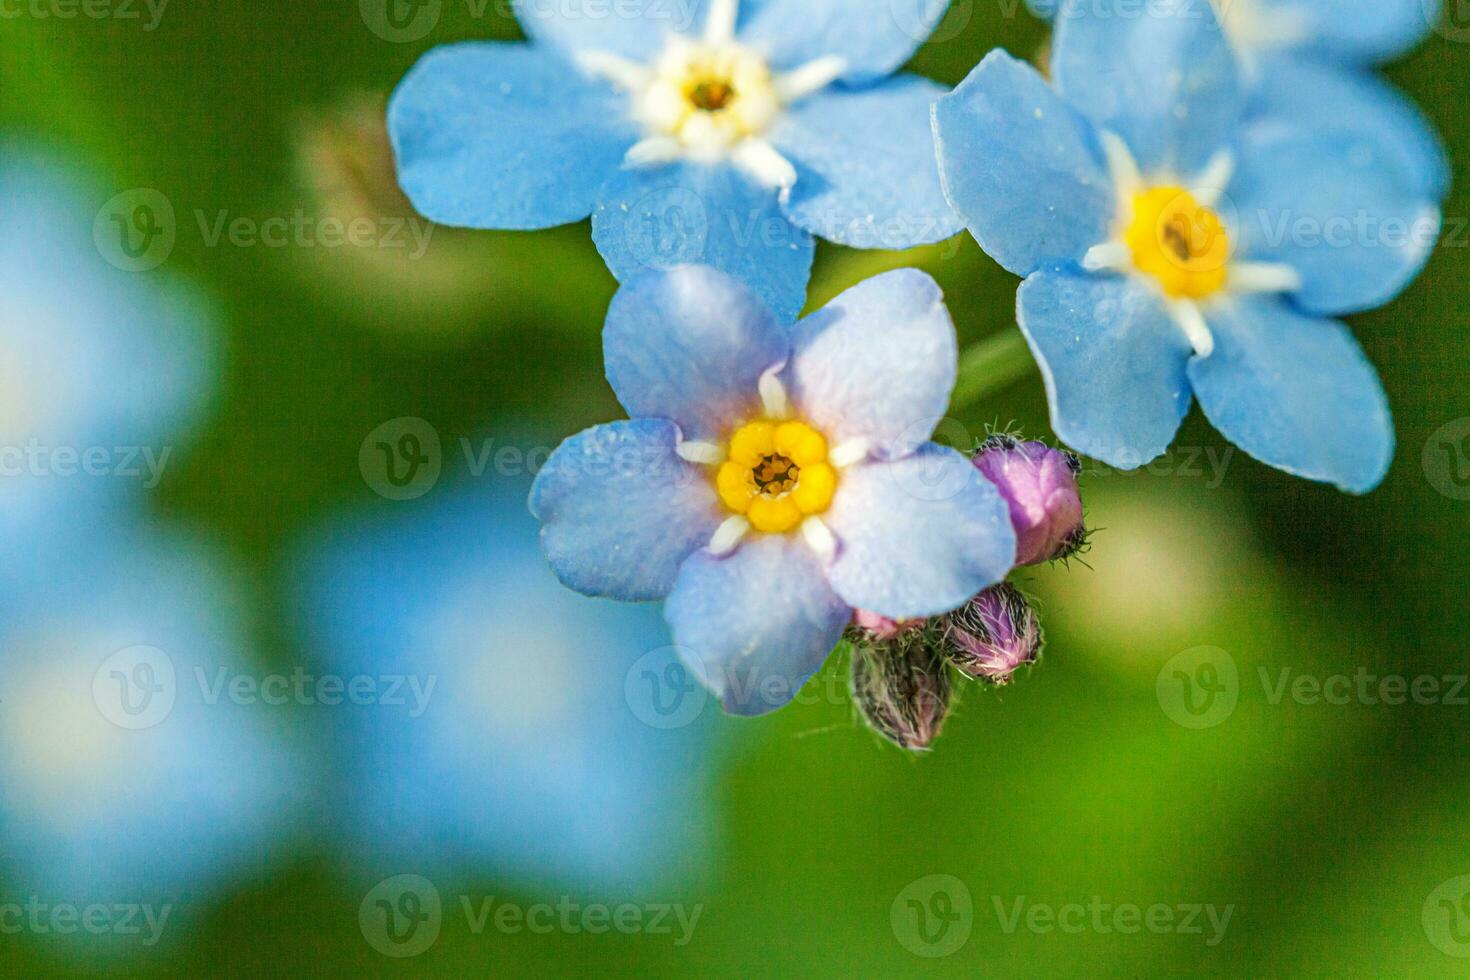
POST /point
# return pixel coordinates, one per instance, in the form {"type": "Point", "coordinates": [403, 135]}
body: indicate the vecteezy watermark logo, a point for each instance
{"type": "Point", "coordinates": [66, 918]}
{"type": "Point", "coordinates": [1446, 917]}
{"type": "Point", "coordinates": [401, 459]}
{"type": "Point", "coordinates": [123, 10]}
{"type": "Point", "coordinates": [661, 690]}
{"type": "Point", "coordinates": [1199, 688]}
{"type": "Point", "coordinates": [401, 21]}
{"type": "Point", "coordinates": [933, 916]}
{"type": "Point", "coordinates": [1451, 19]}
{"type": "Point", "coordinates": [408, 691]}
{"type": "Point", "coordinates": [401, 916]}
{"type": "Point", "coordinates": [136, 688]}
{"type": "Point", "coordinates": [668, 226]}
{"type": "Point", "coordinates": [1447, 458]}
{"type": "Point", "coordinates": [136, 230]}
{"type": "Point", "coordinates": [913, 17]}
{"type": "Point", "coordinates": [1105, 918]}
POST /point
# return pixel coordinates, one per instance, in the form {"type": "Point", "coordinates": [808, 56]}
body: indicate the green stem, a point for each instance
{"type": "Point", "coordinates": [991, 366]}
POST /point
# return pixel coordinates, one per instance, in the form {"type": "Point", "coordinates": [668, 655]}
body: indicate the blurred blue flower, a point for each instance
{"type": "Point", "coordinates": [1173, 253]}
{"type": "Point", "coordinates": [124, 780]}
{"type": "Point", "coordinates": [103, 372]}
{"type": "Point", "coordinates": [721, 132]}
{"type": "Point", "coordinates": [524, 741]}
{"type": "Point", "coordinates": [773, 478]}
{"type": "Point", "coordinates": [1308, 63]}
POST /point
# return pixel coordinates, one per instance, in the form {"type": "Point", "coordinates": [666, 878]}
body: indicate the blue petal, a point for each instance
{"type": "Point", "coordinates": [1164, 79]}
{"type": "Point", "coordinates": [1113, 361]}
{"type": "Point", "coordinates": [865, 165]}
{"type": "Point", "coordinates": [1022, 168]}
{"type": "Point", "coordinates": [1296, 393]}
{"type": "Point", "coordinates": [877, 363]}
{"type": "Point", "coordinates": [491, 135]}
{"type": "Point", "coordinates": [756, 625]}
{"type": "Point", "coordinates": [875, 37]}
{"type": "Point", "coordinates": [635, 29]}
{"type": "Point", "coordinates": [1313, 96]}
{"type": "Point", "coordinates": [698, 214]}
{"type": "Point", "coordinates": [1335, 207]}
{"type": "Point", "coordinates": [690, 345]}
{"type": "Point", "coordinates": [919, 536]}
{"type": "Point", "coordinates": [620, 511]}
{"type": "Point", "coordinates": [1361, 30]}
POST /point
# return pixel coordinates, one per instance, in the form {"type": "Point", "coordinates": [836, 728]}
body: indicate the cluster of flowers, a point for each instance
{"type": "Point", "coordinates": [1174, 192]}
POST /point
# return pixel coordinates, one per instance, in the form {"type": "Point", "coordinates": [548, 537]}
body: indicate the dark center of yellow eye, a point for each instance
{"type": "Point", "coordinates": [1176, 238]}
{"type": "Point", "coordinates": [775, 475]}
{"type": "Point", "coordinates": [712, 95]}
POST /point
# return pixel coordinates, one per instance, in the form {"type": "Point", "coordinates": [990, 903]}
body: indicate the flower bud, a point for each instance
{"type": "Point", "coordinates": [1039, 485]}
{"type": "Point", "coordinates": [902, 687]}
{"type": "Point", "coordinates": [881, 627]}
{"type": "Point", "coordinates": [993, 635]}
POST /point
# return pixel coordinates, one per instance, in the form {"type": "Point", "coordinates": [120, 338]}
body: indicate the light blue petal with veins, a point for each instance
{"type": "Point", "coordinates": [878, 363]}
{"type": "Point", "coordinates": [1162, 77]}
{"type": "Point", "coordinates": [919, 536]}
{"type": "Point", "coordinates": [658, 217]}
{"type": "Point", "coordinates": [874, 37]}
{"type": "Point", "coordinates": [756, 625]}
{"type": "Point", "coordinates": [690, 345]}
{"type": "Point", "coordinates": [1334, 206]}
{"type": "Point", "coordinates": [866, 175]}
{"type": "Point", "coordinates": [1113, 361]}
{"type": "Point", "coordinates": [501, 135]}
{"type": "Point", "coordinates": [1022, 168]}
{"type": "Point", "coordinates": [635, 29]}
{"type": "Point", "coordinates": [1296, 393]}
{"type": "Point", "coordinates": [620, 511]}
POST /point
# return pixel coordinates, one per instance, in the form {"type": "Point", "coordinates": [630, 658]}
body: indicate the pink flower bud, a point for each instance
{"type": "Point", "coordinates": [993, 635]}
{"type": "Point", "coordinates": [1039, 485]}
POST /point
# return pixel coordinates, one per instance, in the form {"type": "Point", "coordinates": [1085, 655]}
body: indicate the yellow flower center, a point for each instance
{"type": "Point", "coordinates": [709, 96]}
{"type": "Point", "coordinates": [1179, 241]}
{"type": "Point", "coordinates": [777, 475]}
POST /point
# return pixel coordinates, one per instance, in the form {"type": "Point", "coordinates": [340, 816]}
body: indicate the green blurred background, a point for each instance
{"type": "Point", "coordinates": [1325, 827]}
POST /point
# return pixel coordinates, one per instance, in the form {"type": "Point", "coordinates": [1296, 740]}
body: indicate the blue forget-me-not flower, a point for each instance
{"type": "Point", "coordinates": [773, 478]}
{"type": "Point", "coordinates": [131, 774]}
{"type": "Point", "coordinates": [103, 372]}
{"type": "Point", "coordinates": [1174, 252]}
{"type": "Point", "coordinates": [1310, 62]}
{"type": "Point", "coordinates": [523, 741]}
{"type": "Point", "coordinates": [718, 132]}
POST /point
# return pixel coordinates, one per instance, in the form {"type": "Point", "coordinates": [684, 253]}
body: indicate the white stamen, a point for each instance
{"type": "Point", "coordinates": [819, 538]}
{"type": "Point", "coordinates": [719, 28]}
{"type": "Point", "coordinates": [1191, 320]}
{"type": "Point", "coordinates": [1211, 184]}
{"type": "Point", "coordinates": [1108, 257]}
{"type": "Point", "coordinates": [620, 71]}
{"type": "Point", "coordinates": [653, 151]}
{"type": "Point", "coordinates": [706, 453]}
{"type": "Point", "coordinates": [810, 78]}
{"type": "Point", "coordinates": [773, 395]}
{"type": "Point", "coordinates": [1264, 277]}
{"type": "Point", "coordinates": [727, 536]}
{"type": "Point", "coordinates": [849, 453]}
{"type": "Point", "coordinates": [762, 161]}
{"type": "Point", "coordinates": [1127, 178]}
